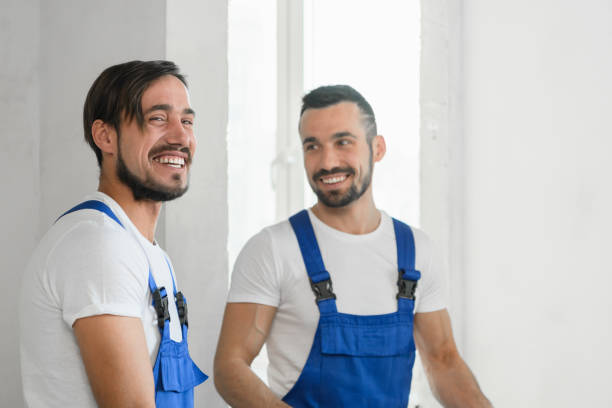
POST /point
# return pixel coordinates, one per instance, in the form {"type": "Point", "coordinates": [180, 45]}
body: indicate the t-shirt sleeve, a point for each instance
{"type": "Point", "coordinates": [97, 269]}
{"type": "Point", "coordinates": [255, 276]}
{"type": "Point", "coordinates": [431, 289]}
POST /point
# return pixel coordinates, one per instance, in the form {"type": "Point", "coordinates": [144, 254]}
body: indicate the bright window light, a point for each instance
{"type": "Point", "coordinates": [375, 48]}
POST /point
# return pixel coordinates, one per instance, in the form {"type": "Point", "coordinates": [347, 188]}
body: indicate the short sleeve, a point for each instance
{"type": "Point", "coordinates": [255, 278]}
{"type": "Point", "coordinates": [431, 289]}
{"type": "Point", "coordinates": [96, 269]}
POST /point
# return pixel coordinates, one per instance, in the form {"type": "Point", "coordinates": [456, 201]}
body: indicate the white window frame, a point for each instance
{"type": "Point", "coordinates": [287, 169]}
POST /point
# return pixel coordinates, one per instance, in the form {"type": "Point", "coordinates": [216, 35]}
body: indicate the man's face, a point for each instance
{"type": "Point", "coordinates": [337, 155]}
{"type": "Point", "coordinates": [154, 160]}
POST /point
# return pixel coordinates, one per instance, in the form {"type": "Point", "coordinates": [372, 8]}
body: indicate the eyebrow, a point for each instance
{"type": "Point", "coordinates": [339, 135]}
{"type": "Point", "coordinates": [308, 140]}
{"type": "Point", "coordinates": [343, 134]}
{"type": "Point", "coordinates": [167, 108]}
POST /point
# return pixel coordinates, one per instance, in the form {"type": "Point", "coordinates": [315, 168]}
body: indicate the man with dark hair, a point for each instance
{"type": "Point", "coordinates": [102, 322]}
{"type": "Point", "coordinates": [350, 344]}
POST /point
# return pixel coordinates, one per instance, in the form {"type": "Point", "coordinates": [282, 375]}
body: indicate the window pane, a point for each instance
{"type": "Point", "coordinates": [374, 47]}
{"type": "Point", "coordinates": [252, 118]}
{"type": "Point", "coordinates": [251, 126]}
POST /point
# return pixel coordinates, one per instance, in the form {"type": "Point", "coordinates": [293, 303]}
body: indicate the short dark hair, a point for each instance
{"type": "Point", "coordinates": [117, 94]}
{"type": "Point", "coordinates": [325, 96]}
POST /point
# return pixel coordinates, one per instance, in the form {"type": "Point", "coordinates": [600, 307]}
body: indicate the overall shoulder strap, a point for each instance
{"type": "Point", "coordinates": [407, 274]}
{"type": "Point", "coordinates": [93, 205]}
{"type": "Point", "coordinates": [320, 281]}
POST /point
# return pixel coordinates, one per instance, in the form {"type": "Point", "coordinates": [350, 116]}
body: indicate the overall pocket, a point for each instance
{"type": "Point", "coordinates": [367, 336]}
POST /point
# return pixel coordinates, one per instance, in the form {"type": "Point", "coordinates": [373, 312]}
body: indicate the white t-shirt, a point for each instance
{"type": "Point", "coordinates": [85, 265]}
{"type": "Point", "coordinates": [363, 268]}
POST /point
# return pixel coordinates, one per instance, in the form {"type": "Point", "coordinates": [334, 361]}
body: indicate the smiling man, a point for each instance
{"type": "Point", "coordinates": [350, 344]}
{"type": "Point", "coordinates": [102, 322]}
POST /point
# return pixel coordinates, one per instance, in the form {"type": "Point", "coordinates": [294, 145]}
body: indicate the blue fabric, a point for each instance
{"type": "Point", "coordinates": [405, 250]}
{"type": "Point", "coordinates": [356, 361]}
{"type": "Point", "coordinates": [174, 373]}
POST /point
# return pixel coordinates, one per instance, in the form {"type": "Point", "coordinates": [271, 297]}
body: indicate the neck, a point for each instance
{"type": "Point", "coordinates": [359, 217]}
{"type": "Point", "coordinates": [143, 214]}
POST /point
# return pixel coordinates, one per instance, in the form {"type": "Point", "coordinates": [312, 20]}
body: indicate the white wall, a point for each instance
{"type": "Point", "coordinates": [51, 52]}
{"type": "Point", "coordinates": [78, 41]}
{"type": "Point", "coordinates": [19, 129]}
{"type": "Point", "coordinates": [538, 136]}
{"type": "Point", "coordinates": [197, 224]}
{"type": "Point", "coordinates": [441, 160]}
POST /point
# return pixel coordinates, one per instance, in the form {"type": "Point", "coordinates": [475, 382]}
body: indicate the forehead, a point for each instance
{"type": "Point", "coordinates": [167, 90]}
{"type": "Point", "coordinates": [341, 117]}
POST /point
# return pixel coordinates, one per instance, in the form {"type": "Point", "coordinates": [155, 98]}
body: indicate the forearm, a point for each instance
{"type": "Point", "coordinates": [241, 387]}
{"type": "Point", "coordinates": [454, 385]}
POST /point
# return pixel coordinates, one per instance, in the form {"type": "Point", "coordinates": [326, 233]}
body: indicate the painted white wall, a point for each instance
{"type": "Point", "coordinates": [51, 53]}
{"type": "Point", "coordinates": [538, 137]}
{"type": "Point", "coordinates": [19, 178]}
{"type": "Point", "coordinates": [442, 160]}
{"type": "Point", "coordinates": [197, 224]}
{"type": "Point", "coordinates": [79, 39]}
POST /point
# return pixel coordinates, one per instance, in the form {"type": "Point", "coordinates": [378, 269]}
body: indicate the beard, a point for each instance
{"type": "Point", "coordinates": [335, 198]}
{"type": "Point", "coordinates": [146, 189]}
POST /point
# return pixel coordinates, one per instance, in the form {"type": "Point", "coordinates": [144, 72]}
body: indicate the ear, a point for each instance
{"type": "Point", "coordinates": [379, 148]}
{"type": "Point", "coordinates": [104, 136]}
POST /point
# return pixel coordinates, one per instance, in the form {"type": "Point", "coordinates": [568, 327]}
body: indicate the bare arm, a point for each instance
{"type": "Point", "coordinates": [114, 351]}
{"type": "Point", "coordinates": [245, 328]}
{"type": "Point", "coordinates": [451, 381]}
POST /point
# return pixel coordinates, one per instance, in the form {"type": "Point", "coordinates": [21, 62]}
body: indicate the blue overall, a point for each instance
{"type": "Point", "coordinates": [357, 361]}
{"type": "Point", "coordinates": [174, 373]}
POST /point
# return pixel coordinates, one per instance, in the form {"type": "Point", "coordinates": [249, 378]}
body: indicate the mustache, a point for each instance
{"type": "Point", "coordinates": [170, 148]}
{"type": "Point", "coordinates": [325, 172]}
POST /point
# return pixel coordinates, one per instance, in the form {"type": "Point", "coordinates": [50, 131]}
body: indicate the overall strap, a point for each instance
{"type": "Point", "coordinates": [407, 275]}
{"type": "Point", "coordinates": [93, 205]}
{"type": "Point", "coordinates": [320, 281]}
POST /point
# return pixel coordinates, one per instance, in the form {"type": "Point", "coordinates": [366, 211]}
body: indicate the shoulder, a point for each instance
{"type": "Point", "coordinates": [93, 234]}
{"type": "Point", "coordinates": [92, 248]}
{"type": "Point", "coordinates": [431, 290]}
{"type": "Point", "coordinates": [422, 242]}
{"type": "Point", "coordinates": [260, 269]}
{"type": "Point", "coordinates": [270, 241]}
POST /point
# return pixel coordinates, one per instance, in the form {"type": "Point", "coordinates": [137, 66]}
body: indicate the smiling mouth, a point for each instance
{"type": "Point", "coordinates": [333, 179]}
{"type": "Point", "coordinates": [172, 161]}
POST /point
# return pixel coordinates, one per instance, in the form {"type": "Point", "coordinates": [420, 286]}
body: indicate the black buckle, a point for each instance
{"type": "Point", "coordinates": [181, 307]}
{"type": "Point", "coordinates": [407, 288]}
{"type": "Point", "coordinates": [161, 307]}
{"type": "Point", "coordinates": [323, 290]}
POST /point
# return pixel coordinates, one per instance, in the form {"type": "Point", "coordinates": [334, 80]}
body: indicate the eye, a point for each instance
{"type": "Point", "coordinates": [187, 122]}
{"type": "Point", "coordinates": [310, 146]}
{"type": "Point", "coordinates": [344, 142]}
{"type": "Point", "coordinates": [157, 118]}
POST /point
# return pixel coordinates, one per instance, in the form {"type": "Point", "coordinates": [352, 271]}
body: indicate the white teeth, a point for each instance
{"type": "Point", "coordinates": [334, 180]}
{"type": "Point", "coordinates": [171, 160]}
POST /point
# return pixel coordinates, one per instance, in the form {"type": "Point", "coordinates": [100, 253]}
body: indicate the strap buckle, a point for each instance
{"type": "Point", "coordinates": [181, 307]}
{"type": "Point", "coordinates": [323, 290]}
{"type": "Point", "coordinates": [160, 302]}
{"type": "Point", "coordinates": [407, 288]}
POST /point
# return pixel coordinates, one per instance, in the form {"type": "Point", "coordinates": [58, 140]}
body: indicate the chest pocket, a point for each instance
{"type": "Point", "coordinates": [367, 336]}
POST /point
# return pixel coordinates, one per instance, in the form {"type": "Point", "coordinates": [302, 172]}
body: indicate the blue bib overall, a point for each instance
{"type": "Point", "coordinates": [357, 361]}
{"type": "Point", "coordinates": [174, 373]}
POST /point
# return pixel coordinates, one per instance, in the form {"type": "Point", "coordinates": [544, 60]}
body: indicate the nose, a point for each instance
{"type": "Point", "coordinates": [328, 159]}
{"type": "Point", "coordinates": [179, 133]}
